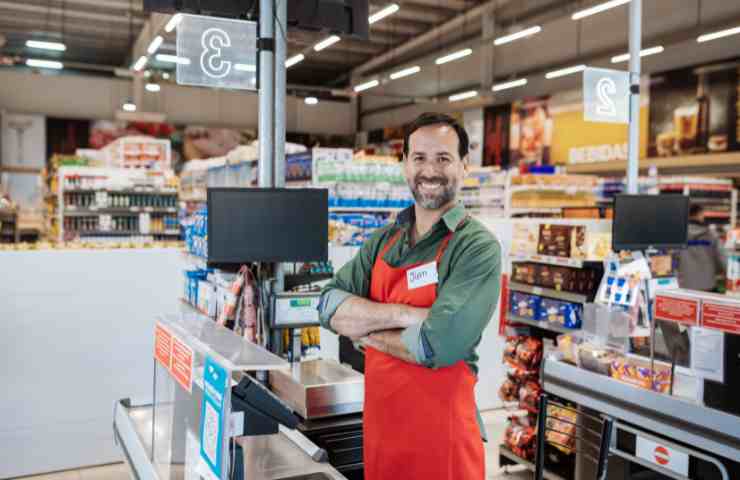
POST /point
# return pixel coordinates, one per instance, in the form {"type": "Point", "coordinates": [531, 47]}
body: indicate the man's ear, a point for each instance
{"type": "Point", "coordinates": [466, 163]}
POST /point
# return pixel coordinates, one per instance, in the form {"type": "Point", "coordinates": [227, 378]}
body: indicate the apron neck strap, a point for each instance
{"type": "Point", "coordinates": [446, 241]}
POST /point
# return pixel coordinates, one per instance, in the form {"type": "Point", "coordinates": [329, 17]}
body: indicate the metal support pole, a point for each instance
{"type": "Point", "coordinates": [635, 36]}
{"type": "Point", "coordinates": [281, 19]}
{"type": "Point", "coordinates": [266, 96]}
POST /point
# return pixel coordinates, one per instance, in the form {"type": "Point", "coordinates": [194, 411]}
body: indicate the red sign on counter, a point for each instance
{"type": "Point", "coordinates": [163, 346]}
{"type": "Point", "coordinates": [182, 364]}
{"type": "Point", "coordinates": [674, 309]}
{"type": "Point", "coordinates": [720, 316]}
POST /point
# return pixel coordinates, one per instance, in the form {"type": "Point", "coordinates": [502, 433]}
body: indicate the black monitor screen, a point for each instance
{"type": "Point", "coordinates": [643, 221]}
{"type": "Point", "coordinates": [267, 225]}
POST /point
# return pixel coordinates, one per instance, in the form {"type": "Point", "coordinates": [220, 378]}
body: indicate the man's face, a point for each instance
{"type": "Point", "coordinates": [433, 167]}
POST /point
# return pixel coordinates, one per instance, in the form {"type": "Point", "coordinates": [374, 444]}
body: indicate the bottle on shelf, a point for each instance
{"type": "Point", "coordinates": [702, 102]}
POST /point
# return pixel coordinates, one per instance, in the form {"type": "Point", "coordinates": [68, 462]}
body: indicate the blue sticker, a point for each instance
{"type": "Point", "coordinates": [212, 415]}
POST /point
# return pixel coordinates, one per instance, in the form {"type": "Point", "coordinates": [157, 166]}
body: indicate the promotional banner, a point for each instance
{"type": "Point", "coordinates": [576, 141]}
{"type": "Point", "coordinates": [694, 110]}
{"type": "Point", "coordinates": [531, 132]}
{"type": "Point", "coordinates": [497, 122]}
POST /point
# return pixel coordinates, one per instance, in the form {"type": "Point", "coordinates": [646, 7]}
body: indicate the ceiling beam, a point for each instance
{"type": "Point", "coordinates": [403, 28]}
{"type": "Point", "coordinates": [68, 14]}
{"type": "Point", "coordinates": [120, 5]}
{"type": "Point", "coordinates": [456, 5]}
{"type": "Point", "coordinates": [96, 31]}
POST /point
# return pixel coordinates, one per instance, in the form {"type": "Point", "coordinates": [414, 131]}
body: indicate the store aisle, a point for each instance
{"type": "Point", "coordinates": [495, 421]}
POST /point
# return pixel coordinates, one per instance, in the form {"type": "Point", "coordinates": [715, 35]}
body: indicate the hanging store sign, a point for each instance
{"type": "Point", "coordinates": [175, 356]}
{"type": "Point", "coordinates": [216, 52]}
{"type": "Point", "coordinates": [606, 95]}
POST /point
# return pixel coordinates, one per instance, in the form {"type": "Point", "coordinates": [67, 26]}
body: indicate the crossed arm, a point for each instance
{"type": "Point", "coordinates": [377, 325]}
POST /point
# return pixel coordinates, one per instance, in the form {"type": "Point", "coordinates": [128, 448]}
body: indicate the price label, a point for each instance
{"type": "Point", "coordinates": [606, 95]}
{"type": "Point", "coordinates": [217, 52]}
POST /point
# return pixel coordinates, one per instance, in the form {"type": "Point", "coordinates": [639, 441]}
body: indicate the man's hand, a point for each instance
{"type": "Point", "coordinates": [389, 342]}
{"type": "Point", "coordinates": [358, 317]}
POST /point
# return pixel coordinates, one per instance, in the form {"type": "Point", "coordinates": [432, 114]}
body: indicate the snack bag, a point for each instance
{"type": "Point", "coordinates": [561, 428]}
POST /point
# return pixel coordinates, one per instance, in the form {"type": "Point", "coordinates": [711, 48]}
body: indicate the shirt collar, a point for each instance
{"type": "Point", "coordinates": [451, 219]}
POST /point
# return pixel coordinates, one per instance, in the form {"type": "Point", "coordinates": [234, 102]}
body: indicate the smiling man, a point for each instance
{"type": "Point", "coordinates": [418, 296]}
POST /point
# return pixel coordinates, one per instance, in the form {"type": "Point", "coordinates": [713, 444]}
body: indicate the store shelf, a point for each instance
{"type": "Point", "coordinates": [570, 190]}
{"type": "Point", "coordinates": [75, 211]}
{"type": "Point", "coordinates": [126, 233]}
{"type": "Point", "coordinates": [194, 260]}
{"type": "Point", "coordinates": [504, 451]}
{"type": "Point", "coordinates": [717, 163]}
{"type": "Point", "coordinates": [678, 419]}
{"type": "Point", "coordinates": [365, 209]}
{"type": "Point", "coordinates": [542, 325]}
{"type": "Point", "coordinates": [125, 191]}
{"type": "Point", "coordinates": [521, 211]}
{"type": "Point", "coordinates": [548, 292]}
{"type": "Point", "coordinates": [550, 260]}
{"type": "Point", "coordinates": [292, 281]}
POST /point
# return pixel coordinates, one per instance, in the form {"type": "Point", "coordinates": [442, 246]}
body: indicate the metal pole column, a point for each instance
{"type": "Point", "coordinates": [281, 19]}
{"type": "Point", "coordinates": [635, 35]}
{"type": "Point", "coordinates": [266, 95]}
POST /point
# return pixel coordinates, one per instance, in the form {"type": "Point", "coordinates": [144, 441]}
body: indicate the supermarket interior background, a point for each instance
{"type": "Point", "coordinates": [127, 153]}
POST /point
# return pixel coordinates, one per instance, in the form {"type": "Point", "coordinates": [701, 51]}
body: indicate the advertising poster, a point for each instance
{"type": "Point", "coordinates": [576, 141]}
{"type": "Point", "coordinates": [694, 110]}
{"type": "Point", "coordinates": [531, 133]}
{"type": "Point", "coordinates": [497, 122]}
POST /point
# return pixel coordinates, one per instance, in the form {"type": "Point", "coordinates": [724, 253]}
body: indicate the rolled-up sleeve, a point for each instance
{"type": "Point", "coordinates": [353, 279]}
{"type": "Point", "coordinates": [464, 306]}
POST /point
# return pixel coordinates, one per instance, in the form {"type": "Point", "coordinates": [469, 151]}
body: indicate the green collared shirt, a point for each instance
{"type": "Point", "coordinates": [468, 286]}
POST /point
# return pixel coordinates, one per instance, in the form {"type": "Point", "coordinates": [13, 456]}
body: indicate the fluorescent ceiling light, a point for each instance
{"type": "Point", "coordinates": [714, 36]}
{"type": "Point", "coordinates": [405, 72]}
{"type": "Point", "coordinates": [140, 63]}
{"type": "Point", "coordinates": [245, 67]}
{"type": "Point", "coordinates": [565, 71]}
{"type": "Point", "coordinates": [32, 62]}
{"type": "Point", "coordinates": [327, 42]}
{"type": "Point", "coordinates": [643, 53]}
{"type": "Point", "coordinates": [454, 56]}
{"type": "Point", "coordinates": [129, 106]}
{"type": "Point", "coordinates": [598, 9]}
{"type": "Point", "coordinates": [163, 57]}
{"type": "Point", "coordinates": [166, 76]}
{"type": "Point", "coordinates": [367, 85]}
{"type": "Point", "coordinates": [59, 47]}
{"type": "Point", "coordinates": [147, 74]}
{"type": "Point", "coordinates": [516, 36]}
{"type": "Point", "coordinates": [463, 96]}
{"type": "Point", "coordinates": [174, 21]}
{"type": "Point", "coordinates": [152, 87]}
{"type": "Point", "coordinates": [156, 43]}
{"type": "Point", "coordinates": [507, 85]}
{"type": "Point", "coordinates": [311, 100]}
{"type": "Point", "coordinates": [385, 12]}
{"type": "Point", "coordinates": [295, 59]}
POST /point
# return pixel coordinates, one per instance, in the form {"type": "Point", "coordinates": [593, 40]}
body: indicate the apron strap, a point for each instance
{"type": "Point", "coordinates": [390, 243]}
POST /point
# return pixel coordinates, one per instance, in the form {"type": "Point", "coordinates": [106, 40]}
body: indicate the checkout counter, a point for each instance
{"type": "Point", "coordinates": [306, 426]}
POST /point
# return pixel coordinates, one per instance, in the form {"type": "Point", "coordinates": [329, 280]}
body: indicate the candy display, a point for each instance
{"type": "Point", "coordinates": [564, 314]}
{"type": "Point", "coordinates": [524, 305]}
{"type": "Point", "coordinates": [567, 241]}
{"type": "Point", "coordinates": [561, 428]}
{"type": "Point", "coordinates": [637, 372]}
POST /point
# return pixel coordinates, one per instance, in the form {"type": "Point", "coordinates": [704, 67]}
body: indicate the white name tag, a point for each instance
{"type": "Point", "coordinates": [422, 275]}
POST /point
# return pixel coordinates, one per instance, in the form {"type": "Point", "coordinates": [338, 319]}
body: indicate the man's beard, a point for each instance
{"type": "Point", "coordinates": [444, 194]}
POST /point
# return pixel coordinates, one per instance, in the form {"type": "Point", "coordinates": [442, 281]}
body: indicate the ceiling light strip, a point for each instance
{"type": "Point", "coordinates": [643, 53]}
{"type": "Point", "coordinates": [463, 96]}
{"type": "Point", "coordinates": [454, 56]}
{"type": "Point", "coordinates": [405, 72]}
{"type": "Point", "coordinates": [507, 85]}
{"type": "Point", "coordinates": [527, 32]}
{"type": "Point", "coordinates": [565, 71]}
{"type": "Point", "coordinates": [598, 9]}
{"type": "Point", "coordinates": [385, 12]}
{"type": "Point", "coordinates": [715, 35]}
{"type": "Point", "coordinates": [366, 86]}
{"type": "Point", "coordinates": [327, 42]}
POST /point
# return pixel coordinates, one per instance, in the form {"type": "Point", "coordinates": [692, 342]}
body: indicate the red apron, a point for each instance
{"type": "Point", "coordinates": [419, 423]}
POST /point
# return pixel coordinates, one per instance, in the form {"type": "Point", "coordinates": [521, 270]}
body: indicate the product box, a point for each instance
{"type": "Point", "coordinates": [525, 239]}
{"type": "Point", "coordinates": [564, 314]}
{"type": "Point", "coordinates": [567, 241]}
{"type": "Point", "coordinates": [525, 272]}
{"type": "Point", "coordinates": [524, 305]}
{"type": "Point", "coordinates": [636, 371]}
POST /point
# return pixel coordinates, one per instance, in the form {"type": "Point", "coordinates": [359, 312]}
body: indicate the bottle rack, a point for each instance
{"type": "Point", "coordinates": [102, 204]}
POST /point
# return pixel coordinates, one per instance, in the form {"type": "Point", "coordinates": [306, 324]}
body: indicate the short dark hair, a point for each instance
{"type": "Point", "coordinates": [429, 118]}
{"type": "Point", "coordinates": [695, 209]}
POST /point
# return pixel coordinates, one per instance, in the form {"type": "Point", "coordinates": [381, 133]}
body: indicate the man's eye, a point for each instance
{"type": "Point", "coordinates": [445, 159]}
{"type": "Point", "coordinates": [418, 159]}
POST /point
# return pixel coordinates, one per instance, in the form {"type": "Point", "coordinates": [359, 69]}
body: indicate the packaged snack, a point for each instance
{"type": "Point", "coordinates": [561, 428]}
{"type": "Point", "coordinates": [529, 353]}
{"type": "Point", "coordinates": [525, 272]}
{"type": "Point", "coordinates": [509, 391]}
{"type": "Point", "coordinates": [520, 438]}
{"type": "Point", "coordinates": [510, 349]}
{"type": "Point", "coordinates": [524, 305]}
{"type": "Point", "coordinates": [564, 314]}
{"type": "Point", "coordinates": [637, 372]}
{"type": "Point", "coordinates": [595, 359]}
{"type": "Point", "coordinates": [529, 396]}
{"type": "Point", "coordinates": [524, 239]}
{"type": "Point", "coordinates": [562, 241]}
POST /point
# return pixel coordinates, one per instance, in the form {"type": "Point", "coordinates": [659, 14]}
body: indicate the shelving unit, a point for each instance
{"type": "Point", "coordinates": [542, 325]}
{"type": "Point", "coordinates": [365, 209]}
{"type": "Point", "coordinates": [550, 260]}
{"type": "Point", "coordinates": [548, 292]}
{"type": "Point", "coordinates": [9, 232]}
{"type": "Point", "coordinates": [105, 202]}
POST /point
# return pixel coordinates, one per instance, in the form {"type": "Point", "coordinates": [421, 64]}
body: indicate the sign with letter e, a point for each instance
{"type": "Point", "coordinates": [216, 52]}
{"type": "Point", "coordinates": [606, 95]}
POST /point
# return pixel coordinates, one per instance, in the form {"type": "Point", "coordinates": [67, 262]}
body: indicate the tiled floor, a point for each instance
{"type": "Point", "coordinates": [495, 421]}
